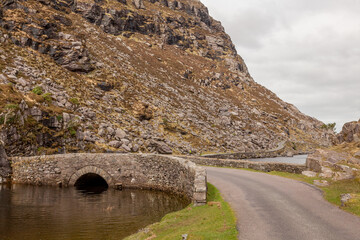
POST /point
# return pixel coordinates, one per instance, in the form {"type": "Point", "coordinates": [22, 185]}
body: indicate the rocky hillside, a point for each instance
{"type": "Point", "coordinates": [134, 76]}
{"type": "Point", "coordinates": [341, 161]}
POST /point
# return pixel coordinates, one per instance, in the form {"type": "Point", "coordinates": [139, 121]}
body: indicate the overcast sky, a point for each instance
{"type": "Point", "coordinates": [305, 51]}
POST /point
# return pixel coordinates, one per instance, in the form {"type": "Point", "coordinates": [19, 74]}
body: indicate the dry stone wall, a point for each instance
{"type": "Point", "coordinates": [142, 171]}
{"type": "Point", "coordinates": [260, 166]}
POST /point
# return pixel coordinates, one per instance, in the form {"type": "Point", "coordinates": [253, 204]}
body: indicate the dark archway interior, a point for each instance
{"type": "Point", "coordinates": [91, 183]}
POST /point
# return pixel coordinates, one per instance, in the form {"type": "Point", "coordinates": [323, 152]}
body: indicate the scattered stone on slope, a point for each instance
{"type": "Point", "coordinates": [330, 164]}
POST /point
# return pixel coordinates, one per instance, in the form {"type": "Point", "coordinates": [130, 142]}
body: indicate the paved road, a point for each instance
{"type": "Point", "coordinates": [274, 208]}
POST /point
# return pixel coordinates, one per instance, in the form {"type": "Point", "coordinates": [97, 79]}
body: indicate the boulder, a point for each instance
{"type": "Point", "coordinates": [105, 86]}
{"type": "Point", "coordinates": [309, 173]}
{"type": "Point", "coordinates": [5, 168]}
{"type": "Point", "coordinates": [349, 133]}
{"type": "Point", "coordinates": [115, 144]}
{"type": "Point", "coordinates": [321, 183]}
{"type": "Point", "coordinates": [126, 148]}
{"type": "Point", "coordinates": [119, 134]}
{"type": "Point", "coordinates": [160, 147]}
{"type": "Point", "coordinates": [313, 162]}
{"type": "Point", "coordinates": [125, 142]}
{"type": "Point", "coordinates": [338, 176]}
{"type": "Point", "coordinates": [163, 148]}
{"type": "Point", "coordinates": [326, 173]}
{"type": "Point", "coordinates": [344, 198]}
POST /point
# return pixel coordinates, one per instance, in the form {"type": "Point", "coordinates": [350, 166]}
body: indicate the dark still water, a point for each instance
{"type": "Point", "coordinates": [30, 212]}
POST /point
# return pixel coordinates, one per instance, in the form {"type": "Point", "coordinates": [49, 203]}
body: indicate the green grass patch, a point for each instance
{"type": "Point", "coordinates": [215, 220]}
{"type": "Point", "coordinates": [47, 97]}
{"type": "Point", "coordinates": [332, 194]}
{"type": "Point", "coordinates": [12, 106]}
{"type": "Point", "coordinates": [37, 90]}
{"type": "Point", "coordinates": [74, 101]}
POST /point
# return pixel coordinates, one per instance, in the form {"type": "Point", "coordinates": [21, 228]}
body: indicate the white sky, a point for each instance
{"type": "Point", "coordinates": [305, 51]}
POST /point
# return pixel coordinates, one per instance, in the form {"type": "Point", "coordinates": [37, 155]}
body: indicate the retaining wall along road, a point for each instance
{"type": "Point", "coordinates": [143, 171]}
{"type": "Point", "coordinates": [261, 166]}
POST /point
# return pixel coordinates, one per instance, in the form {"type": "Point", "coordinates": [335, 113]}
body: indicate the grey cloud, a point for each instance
{"type": "Point", "coordinates": [307, 52]}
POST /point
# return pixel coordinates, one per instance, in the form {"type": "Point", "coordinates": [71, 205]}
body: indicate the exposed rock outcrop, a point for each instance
{"type": "Point", "coordinates": [134, 76]}
{"type": "Point", "coordinates": [5, 168]}
{"type": "Point", "coordinates": [349, 133]}
{"type": "Point", "coordinates": [341, 161]}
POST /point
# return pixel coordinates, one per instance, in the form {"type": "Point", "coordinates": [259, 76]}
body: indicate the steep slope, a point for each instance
{"type": "Point", "coordinates": [134, 76]}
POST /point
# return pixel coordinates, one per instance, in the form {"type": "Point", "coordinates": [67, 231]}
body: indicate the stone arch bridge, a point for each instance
{"type": "Point", "coordinates": [144, 171]}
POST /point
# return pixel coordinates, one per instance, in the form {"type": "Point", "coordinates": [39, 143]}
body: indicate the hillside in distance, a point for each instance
{"type": "Point", "coordinates": [134, 76]}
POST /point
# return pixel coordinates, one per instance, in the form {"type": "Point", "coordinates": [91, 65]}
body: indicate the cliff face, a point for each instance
{"type": "Point", "coordinates": [130, 76]}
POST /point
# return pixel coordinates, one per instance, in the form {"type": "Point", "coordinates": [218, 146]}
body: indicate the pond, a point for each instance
{"type": "Point", "coordinates": [33, 212]}
{"type": "Point", "coordinates": [297, 159]}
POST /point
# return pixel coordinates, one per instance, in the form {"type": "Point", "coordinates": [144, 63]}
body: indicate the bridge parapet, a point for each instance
{"type": "Point", "coordinates": [145, 171]}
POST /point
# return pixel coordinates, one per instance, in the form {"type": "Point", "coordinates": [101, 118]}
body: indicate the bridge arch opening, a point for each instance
{"type": "Point", "coordinates": [91, 183]}
{"type": "Point", "coordinates": [91, 179]}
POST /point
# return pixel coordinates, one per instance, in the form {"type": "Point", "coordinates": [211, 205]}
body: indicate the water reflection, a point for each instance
{"type": "Point", "coordinates": [29, 212]}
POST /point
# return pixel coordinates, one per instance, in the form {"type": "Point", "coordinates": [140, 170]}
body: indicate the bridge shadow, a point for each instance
{"type": "Point", "coordinates": [91, 183]}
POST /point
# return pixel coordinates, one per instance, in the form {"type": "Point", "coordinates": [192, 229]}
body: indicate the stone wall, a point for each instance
{"type": "Point", "coordinates": [261, 166]}
{"type": "Point", "coordinates": [278, 151]}
{"type": "Point", "coordinates": [5, 169]}
{"type": "Point", "coordinates": [246, 155]}
{"type": "Point", "coordinates": [143, 171]}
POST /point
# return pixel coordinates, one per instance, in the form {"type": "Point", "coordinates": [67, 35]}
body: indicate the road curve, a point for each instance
{"type": "Point", "coordinates": [275, 208]}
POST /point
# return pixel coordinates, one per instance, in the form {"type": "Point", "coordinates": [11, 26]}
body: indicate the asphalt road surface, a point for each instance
{"type": "Point", "coordinates": [275, 208]}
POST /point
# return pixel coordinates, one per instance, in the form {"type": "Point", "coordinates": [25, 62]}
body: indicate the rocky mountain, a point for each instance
{"type": "Point", "coordinates": [134, 76]}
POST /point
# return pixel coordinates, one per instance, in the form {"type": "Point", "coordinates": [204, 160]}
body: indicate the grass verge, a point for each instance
{"type": "Point", "coordinates": [216, 220]}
